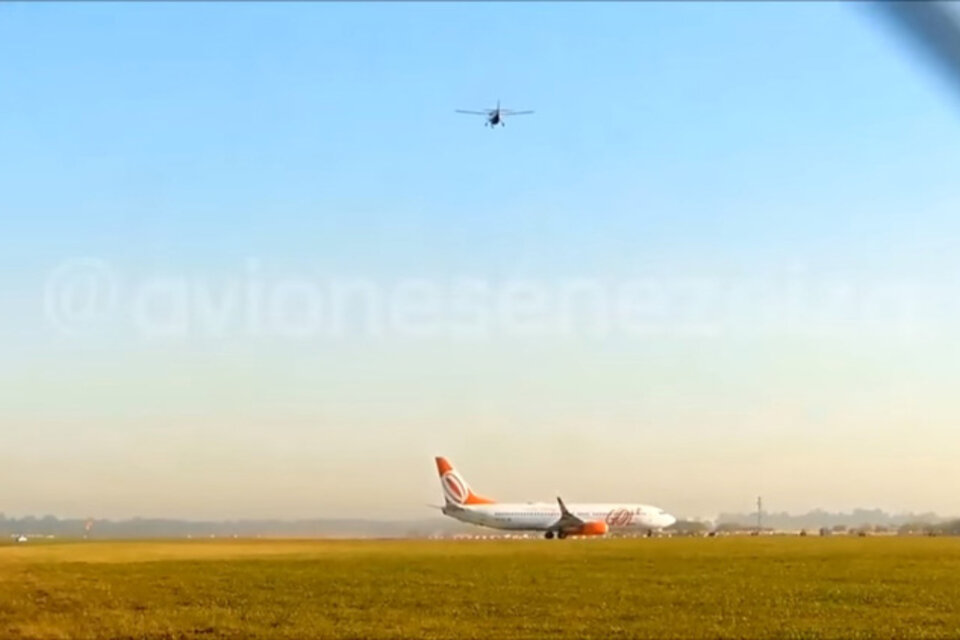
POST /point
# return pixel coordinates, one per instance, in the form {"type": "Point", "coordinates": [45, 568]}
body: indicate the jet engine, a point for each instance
{"type": "Point", "coordinates": [595, 528]}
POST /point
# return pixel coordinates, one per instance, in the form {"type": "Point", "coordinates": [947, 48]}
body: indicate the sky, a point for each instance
{"type": "Point", "coordinates": [253, 264]}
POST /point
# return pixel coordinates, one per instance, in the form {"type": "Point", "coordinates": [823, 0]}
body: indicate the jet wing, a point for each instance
{"type": "Point", "coordinates": [567, 520]}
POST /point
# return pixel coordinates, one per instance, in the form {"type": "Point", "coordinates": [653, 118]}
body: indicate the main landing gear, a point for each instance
{"type": "Point", "coordinates": [560, 535]}
{"type": "Point", "coordinates": [548, 535]}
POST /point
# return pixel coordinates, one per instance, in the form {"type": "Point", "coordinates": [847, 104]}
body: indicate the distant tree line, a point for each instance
{"type": "Point", "coordinates": [158, 527]}
{"type": "Point", "coordinates": [818, 518]}
{"type": "Point", "coordinates": [949, 528]}
{"type": "Point", "coordinates": [872, 521]}
{"type": "Point", "coordinates": [859, 522]}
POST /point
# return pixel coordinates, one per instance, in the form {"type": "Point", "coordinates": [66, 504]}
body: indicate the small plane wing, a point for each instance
{"type": "Point", "coordinates": [508, 112]}
{"type": "Point", "coordinates": [474, 113]}
{"type": "Point", "coordinates": [567, 520]}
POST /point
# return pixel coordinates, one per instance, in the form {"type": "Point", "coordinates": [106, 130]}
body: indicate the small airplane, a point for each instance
{"type": "Point", "coordinates": [553, 520]}
{"type": "Point", "coordinates": [495, 116]}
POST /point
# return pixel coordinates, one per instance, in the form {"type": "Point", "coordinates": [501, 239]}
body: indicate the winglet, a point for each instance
{"type": "Point", "coordinates": [563, 507]}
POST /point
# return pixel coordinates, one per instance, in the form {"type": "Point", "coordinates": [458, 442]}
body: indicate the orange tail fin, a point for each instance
{"type": "Point", "coordinates": [455, 488]}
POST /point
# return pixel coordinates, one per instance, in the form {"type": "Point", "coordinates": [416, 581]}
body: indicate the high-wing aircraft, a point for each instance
{"type": "Point", "coordinates": [495, 116]}
{"type": "Point", "coordinates": [553, 520]}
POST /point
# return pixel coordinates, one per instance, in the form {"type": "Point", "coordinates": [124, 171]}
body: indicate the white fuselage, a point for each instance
{"type": "Point", "coordinates": [542, 516]}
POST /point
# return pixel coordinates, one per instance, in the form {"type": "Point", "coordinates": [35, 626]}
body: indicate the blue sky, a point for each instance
{"type": "Point", "coordinates": [691, 139]}
{"type": "Point", "coordinates": [289, 127]}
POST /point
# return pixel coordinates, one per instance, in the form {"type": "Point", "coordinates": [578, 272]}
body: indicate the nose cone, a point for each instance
{"type": "Point", "coordinates": [667, 520]}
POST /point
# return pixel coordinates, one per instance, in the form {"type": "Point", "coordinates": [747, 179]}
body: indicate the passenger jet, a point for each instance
{"type": "Point", "coordinates": [554, 520]}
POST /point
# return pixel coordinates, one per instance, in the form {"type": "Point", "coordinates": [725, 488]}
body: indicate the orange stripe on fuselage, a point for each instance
{"type": "Point", "coordinates": [473, 498]}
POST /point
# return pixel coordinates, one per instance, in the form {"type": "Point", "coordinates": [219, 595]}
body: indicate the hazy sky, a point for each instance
{"type": "Point", "coordinates": [252, 264]}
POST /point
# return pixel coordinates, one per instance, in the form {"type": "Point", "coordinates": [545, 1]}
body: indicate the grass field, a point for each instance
{"type": "Point", "coordinates": [657, 588]}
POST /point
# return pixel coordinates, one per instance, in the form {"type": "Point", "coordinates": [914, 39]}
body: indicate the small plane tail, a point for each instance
{"type": "Point", "coordinates": [455, 489]}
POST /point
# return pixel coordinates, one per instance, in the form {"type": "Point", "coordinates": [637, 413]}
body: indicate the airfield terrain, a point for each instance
{"type": "Point", "coordinates": [775, 587]}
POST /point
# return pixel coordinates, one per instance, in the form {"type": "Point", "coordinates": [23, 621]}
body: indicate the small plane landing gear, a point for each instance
{"type": "Point", "coordinates": [548, 535]}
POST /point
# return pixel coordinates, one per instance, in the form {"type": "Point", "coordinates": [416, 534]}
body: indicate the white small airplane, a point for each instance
{"type": "Point", "coordinates": [554, 520]}
{"type": "Point", "coordinates": [495, 116]}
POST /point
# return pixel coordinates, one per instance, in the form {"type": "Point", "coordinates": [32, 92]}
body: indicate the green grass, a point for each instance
{"type": "Point", "coordinates": [659, 588]}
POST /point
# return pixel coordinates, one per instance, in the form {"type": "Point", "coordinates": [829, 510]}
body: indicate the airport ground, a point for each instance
{"type": "Point", "coordinates": [760, 587]}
